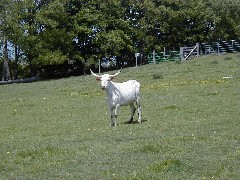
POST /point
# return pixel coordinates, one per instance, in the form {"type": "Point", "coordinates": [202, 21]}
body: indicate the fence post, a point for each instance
{"type": "Point", "coordinates": [154, 57]}
{"type": "Point", "coordinates": [136, 56]}
{"type": "Point", "coordinates": [197, 49]}
{"type": "Point", "coordinates": [181, 53]}
{"type": "Point", "coordinates": [218, 48]}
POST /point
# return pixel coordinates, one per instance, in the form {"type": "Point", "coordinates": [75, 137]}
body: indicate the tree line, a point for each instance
{"type": "Point", "coordinates": [41, 36]}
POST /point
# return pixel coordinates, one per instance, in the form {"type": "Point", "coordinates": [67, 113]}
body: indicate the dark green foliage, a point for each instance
{"type": "Point", "coordinates": [171, 107]}
{"type": "Point", "coordinates": [150, 148]}
{"type": "Point", "coordinates": [53, 32]}
{"type": "Point", "coordinates": [158, 76]}
{"type": "Point", "coordinates": [228, 58]}
{"type": "Point", "coordinates": [166, 166]}
{"type": "Point", "coordinates": [214, 62]}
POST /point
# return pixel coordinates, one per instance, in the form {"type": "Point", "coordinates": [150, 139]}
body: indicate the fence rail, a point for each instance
{"type": "Point", "coordinates": [155, 58]}
{"type": "Point", "coordinates": [220, 47]}
{"type": "Point", "coordinates": [185, 53]}
{"type": "Point", "coordinates": [27, 80]}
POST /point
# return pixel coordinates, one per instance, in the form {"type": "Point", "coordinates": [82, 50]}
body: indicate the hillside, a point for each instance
{"type": "Point", "coordinates": [59, 129]}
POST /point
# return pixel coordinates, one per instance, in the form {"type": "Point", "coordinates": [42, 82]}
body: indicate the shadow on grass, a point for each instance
{"type": "Point", "coordinates": [135, 122]}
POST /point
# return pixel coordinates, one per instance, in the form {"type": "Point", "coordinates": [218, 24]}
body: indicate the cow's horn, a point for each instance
{"type": "Point", "coordinates": [95, 74]}
{"type": "Point", "coordinates": [116, 73]}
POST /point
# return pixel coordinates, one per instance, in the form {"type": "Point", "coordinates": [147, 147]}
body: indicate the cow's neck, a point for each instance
{"type": "Point", "coordinates": [110, 88]}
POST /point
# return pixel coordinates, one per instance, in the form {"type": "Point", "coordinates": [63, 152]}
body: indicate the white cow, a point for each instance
{"type": "Point", "coordinates": [120, 94]}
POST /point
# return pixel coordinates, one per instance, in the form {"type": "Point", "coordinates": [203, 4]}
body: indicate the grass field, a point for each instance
{"type": "Point", "coordinates": [59, 129]}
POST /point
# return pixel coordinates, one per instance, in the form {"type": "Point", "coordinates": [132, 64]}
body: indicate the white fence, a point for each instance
{"type": "Point", "coordinates": [188, 52]}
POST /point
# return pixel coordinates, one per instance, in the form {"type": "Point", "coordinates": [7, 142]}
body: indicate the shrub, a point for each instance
{"type": "Point", "coordinates": [158, 76]}
{"type": "Point", "coordinates": [228, 58]}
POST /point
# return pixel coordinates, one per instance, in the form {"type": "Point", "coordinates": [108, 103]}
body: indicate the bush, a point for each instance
{"type": "Point", "coordinates": [158, 76]}
{"type": "Point", "coordinates": [228, 58]}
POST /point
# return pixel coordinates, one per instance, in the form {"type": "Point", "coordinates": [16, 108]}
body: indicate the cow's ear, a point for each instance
{"type": "Point", "coordinates": [98, 78]}
{"type": "Point", "coordinates": [111, 78]}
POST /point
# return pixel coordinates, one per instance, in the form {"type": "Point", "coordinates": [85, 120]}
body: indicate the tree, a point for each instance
{"type": "Point", "coordinates": [228, 14]}
{"type": "Point", "coordinates": [47, 41]}
{"type": "Point", "coordinates": [85, 17]}
{"type": "Point", "coordinates": [15, 32]}
{"type": "Point", "coordinates": [4, 24]}
{"type": "Point", "coordinates": [101, 29]}
{"type": "Point", "coordinates": [172, 24]}
{"type": "Point", "coordinates": [48, 33]}
{"type": "Point", "coordinates": [115, 36]}
{"type": "Point", "coordinates": [6, 72]}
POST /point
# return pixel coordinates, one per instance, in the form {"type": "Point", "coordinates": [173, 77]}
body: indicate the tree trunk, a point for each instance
{"type": "Point", "coordinates": [6, 72]}
{"type": "Point", "coordinates": [16, 63]}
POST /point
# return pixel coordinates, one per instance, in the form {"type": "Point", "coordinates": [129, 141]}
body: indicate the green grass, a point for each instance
{"type": "Point", "coordinates": [59, 129]}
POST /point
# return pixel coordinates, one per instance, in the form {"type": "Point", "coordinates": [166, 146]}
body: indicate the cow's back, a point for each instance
{"type": "Point", "coordinates": [125, 93]}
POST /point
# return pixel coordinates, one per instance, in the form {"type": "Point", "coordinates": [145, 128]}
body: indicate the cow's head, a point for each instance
{"type": "Point", "coordinates": [104, 78]}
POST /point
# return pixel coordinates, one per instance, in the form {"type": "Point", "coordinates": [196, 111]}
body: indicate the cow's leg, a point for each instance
{"type": "Point", "coordinates": [139, 109]}
{"type": "Point", "coordinates": [132, 108]}
{"type": "Point", "coordinates": [113, 121]}
{"type": "Point", "coordinates": [116, 114]}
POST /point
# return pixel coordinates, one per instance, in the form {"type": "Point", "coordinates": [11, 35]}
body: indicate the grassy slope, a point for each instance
{"type": "Point", "coordinates": [60, 129]}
